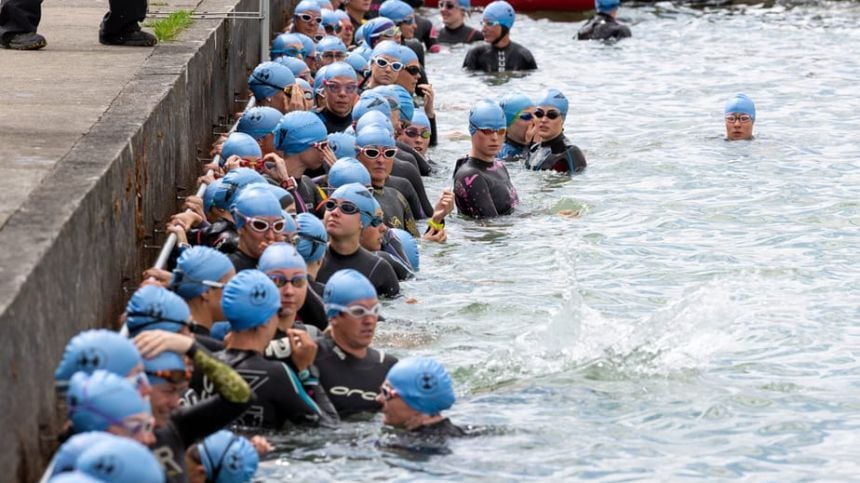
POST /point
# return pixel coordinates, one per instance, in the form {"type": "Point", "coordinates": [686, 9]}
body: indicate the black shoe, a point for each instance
{"type": "Point", "coordinates": [28, 41]}
{"type": "Point", "coordinates": [137, 38]}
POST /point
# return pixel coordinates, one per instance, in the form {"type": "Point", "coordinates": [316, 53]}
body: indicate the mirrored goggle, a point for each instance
{"type": "Point", "coordinates": [414, 133]}
{"type": "Point", "coordinates": [297, 281]}
{"type": "Point", "coordinates": [357, 311]}
{"type": "Point", "coordinates": [550, 114]}
{"type": "Point", "coordinates": [742, 118]}
{"type": "Point", "coordinates": [307, 18]}
{"type": "Point", "coordinates": [389, 32]}
{"type": "Point", "coordinates": [383, 63]}
{"type": "Point", "coordinates": [374, 153]}
{"type": "Point", "coordinates": [489, 131]}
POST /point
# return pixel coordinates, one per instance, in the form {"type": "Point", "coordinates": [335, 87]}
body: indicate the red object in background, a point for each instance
{"type": "Point", "coordinates": [534, 5]}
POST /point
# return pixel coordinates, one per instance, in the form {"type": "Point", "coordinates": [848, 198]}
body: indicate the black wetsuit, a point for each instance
{"type": "Point", "coordinates": [220, 235]}
{"type": "Point", "coordinates": [377, 270]}
{"type": "Point", "coordinates": [426, 33]}
{"type": "Point", "coordinates": [460, 35]}
{"type": "Point", "coordinates": [557, 155]}
{"type": "Point", "coordinates": [401, 268]}
{"type": "Point", "coordinates": [513, 151]}
{"type": "Point", "coordinates": [603, 27]}
{"type": "Point", "coordinates": [333, 122]}
{"type": "Point", "coordinates": [405, 170]}
{"type": "Point", "coordinates": [395, 209]}
{"type": "Point", "coordinates": [423, 166]}
{"type": "Point", "coordinates": [280, 395]}
{"type": "Point", "coordinates": [242, 261]}
{"type": "Point", "coordinates": [352, 384]}
{"type": "Point", "coordinates": [317, 287]}
{"type": "Point", "coordinates": [305, 192]}
{"type": "Point", "coordinates": [428, 440]}
{"type": "Point", "coordinates": [482, 189]}
{"type": "Point", "coordinates": [202, 336]}
{"type": "Point", "coordinates": [405, 188]}
{"type": "Point", "coordinates": [488, 58]}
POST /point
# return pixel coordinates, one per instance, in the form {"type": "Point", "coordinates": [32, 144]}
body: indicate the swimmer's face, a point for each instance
{"type": "Point", "coordinates": [384, 76]}
{"type": "Point", "coordinates": [340, 95]}
{"type": "Point", "coordinates": [309, 27]}
{"type": "Point", "coordinates": [355, 332]}
{"type": "Point", "coordinates": [372, 236]}
{"type": "Point", "coordinates": [451, 17]}
{"type": "Point", "coordinates": [292, 297]}
{"type": "Point", "coordinates": [312, 157]}
{"type": "Point", "coordinates": [212, 297]}
{"type": "Point", "coordinates": [339, 225]}
{"type": "Point", "coordinates": [164, 400]}
{"type": "Point", "coordinates": [380, 166]}
{"type": "Point", "coordinates": [517, 129]}
{"type": "Point", "coordinates": [487, 145]}
{"type": "Point", "coordinates": [408, 80]}
{"type": "Point", "coordinates": [550, 128]}
{"type": "Point", "coordinates": [395, 412]}
{"type": "Point", "coordinates": [252, 242]}
{"type": "Point", "coordinates": [407, 28]}
{"type": "Point", "coordinates": [492, 31]}
{"type": "Point", "coordinates": [360, 5]}
{"type": "Point", "coordinates": [346, 32]}
{"type": "Point", "coordinates": [739, 126]}
{"type": "Point", "coordinates": [137, 427]}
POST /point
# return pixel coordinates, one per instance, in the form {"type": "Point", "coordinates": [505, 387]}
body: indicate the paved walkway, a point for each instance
{"type": "Point", "coordinates": [50, 98]}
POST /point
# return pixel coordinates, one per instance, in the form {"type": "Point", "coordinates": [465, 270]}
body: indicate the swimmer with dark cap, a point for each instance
{"type": "Point", "coordinates": [740, 117]}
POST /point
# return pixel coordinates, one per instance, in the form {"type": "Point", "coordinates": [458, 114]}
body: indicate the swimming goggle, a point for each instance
{"type": "Point", "coordinates": [293, 52]}
{"type": "Point", "coordinates": [388, 392]}
{"type": "Point", "coordinates": [357, 311]}
{"type": "Point", "coordinates": [374, 153]}
{"type": "Point", "coordinates": [217, 466]}
{"type": "Point", "coordinates": [335, 87]}
{"type": "Point", "coordinates": [261, 226]}
{"type": "Point", "coordinates": [314, 240]}
{"type": "Point", "coordinates": [408, 20]}
{"type": "Point", "coordinates": [389, 32]}
{"type": "Point", "coordinates": [335, 29]}
{"type": "Point", "coordinates": [551, 114]}
{"type": "Point", "coordinates": [158, 320]}
{"type": "Point", "coordinates": [490, 23]}
{"type": "Point", "coordinates": [448, 6]}
{"type": "Point", "coordinates": [334, 55]}
{"type": "Point", "coordinates": [413, 69]}
{"type": "Point", "coordinates": [415, 132]}
{"type": "Point", "coordinates": [320, 145]}
{"type": "Point", "coordinates": [180, 277]}
{"type": "Point", "coordinates": [134, 427]}
{"type": "Point", "coordinates": [383, 63]}
{"type": "Point", "coordinates": [280, 281]}
{"type": "Point", "coordinates": [307, 18]}
{"type": "Point", "coordinates": [318, 37]}
{"type": "Point", "coordinates": [350, 208]}
{"type": "Point", "coordinates": [138, 381]}
{"type": "Point", "coordinates": [742, 118]}
{"type": "Point", "coordinates": [489, 131]}
{"type": "Point", "coordinates": [526, 116]}
{"type": "Point", "coordinates": [173, 376]}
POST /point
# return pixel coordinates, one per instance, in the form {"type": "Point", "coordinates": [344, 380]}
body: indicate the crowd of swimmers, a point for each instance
{"type": "Point", "coordinates": [315, 211]}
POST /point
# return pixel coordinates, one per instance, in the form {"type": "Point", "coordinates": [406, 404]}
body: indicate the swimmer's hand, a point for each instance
{"type": "Point", "coordinates": [275, 167]}
{"type": "Point", "coordinates": [158, 276]}
{"type": "Point", "coordinates": [444, 206]}
{"type": "Point", "coordinates": [262, 445]}
{"type": "Point", "coordinates": [304, 349]}
{"type": "Point", "coordinates": [151, 343]}
{"type": "Point", "coordinates": [427, 89]}
{"type": "Point", "coordinates": [434, 235]}
{"type": "Point", "coordinates": [194, 204]}
{"type": "Point", "coordinates": [328, 156]}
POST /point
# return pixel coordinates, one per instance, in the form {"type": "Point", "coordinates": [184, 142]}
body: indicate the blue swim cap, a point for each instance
{"type": "Point", "coordinates": [119, 461]}
{"type": "Point", "coordinates": [280, 256]}
{"type": "Point", "coordinates": [606, 6]}
{"type": "Point", "coordinates": [374, 118]}
{"type": "Point", "coordinates": [404, 98]}
{"type": "Point", "coordinates": [348, 170]}
{"type": "Point", "coordinates": [396, 10]}
{"type": "Point", "coordinates": [231, 183]}
{"type": "Point", "coordinates": [304, 85]}
{"type": "Point", "coordinates": [252, 203]}
{"type": "Point", "coordinates": [101, 399]}
{"type": "Point", "coordinates": [268, 79]}
{"type": "Point", "coordinates": [290, 226]}
{"type": "Point", "coordinates": [365, 51]}
{"type": "Point", "coordinates": [486, 114]}
{"type": "Point", "coordinates": [258, 122]}
{"type": "Point", "coordinates": [195, 267]}
{"type": "Point", "coordinates": [298, 131]}
{"type": "Point", "coordinates": [153, 307]}
{"type": "Point", "coordinates": [358, 62]}
{"type": "Point", "coordinates": [296, 65]}
{"type": "Point", "coordinates": [219, 330]}
{"type": "Point", "coordinates": [344, 288]}
{"type": "Point", "coordinates": [362, 198]}
{"type": "Point", "coordinates": [250, 299]}
{"type": "Point", "coordinates": [73, 477]}
{"type": "Point", "coordinates": [97, 349]}
{"type": "Point", "coordinates": [329, 18]}
{"type": "Point", "coordinates": [67, 455]}
{"type": "Point", "coordinates": [311, 238]}
{"type": "Point", "coordinates": [410, 247]}
{"type": "Point", "coordinates": [209, 194]}
{"type": "Point", "coordinates": [375, 135]}
{"type": "Point", "coordinates": [407, 55]}
{"type": "Point", "coordinates": [556, 99]}
{"type": "Point", "coordinates": [423, 384]}
{"type": "Point", "coordinates": [166, 361]}
{"type": "Point", "coordinates": [421, 119]}
{"type": "Point", "coordinates": [342, 144]}
{"type": "Point", "coordinates": [330, 43]}
{"type": "Point", "coordinates": [283, 196]}
{"type": "Point", "coordinates": [307, 6]}
{"type": "Point", "coordinates": [386, 47]}
{"type": "Point", "coordinates": [465, 3]}
{"type": "Point", "coordinates": [308, 47]}
{"type": "Point", "coordinates": [339, 69]}
{"type": "Point", "coordinates": [500, 11]}
{"type": "Point", "coordinates": [319, 80]}
{"type": "Point", "coordinates": [514, 104]}
{"type": "Point", "coordinates": [228, 457]}
{"type": "Point", "coordinates": [285, 45]}
{"type": "Point", "coordinates": [371, 102]}
{"type": "Point", "coordinates": [240, 144]}
{"type": "Point", "coordinates": [374, 28]}
{"type": "Point", "coordinates": [742, 104]}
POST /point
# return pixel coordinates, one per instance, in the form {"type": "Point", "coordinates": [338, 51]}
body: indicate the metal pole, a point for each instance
{"type": "Point", "coordinates": [265, 29]}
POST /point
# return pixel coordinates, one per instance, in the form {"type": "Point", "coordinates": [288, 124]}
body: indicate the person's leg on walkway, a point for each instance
{"type": "Point", "coordinates": [121, 24]}
{"type": "Point", "coordinates": [19, 20]}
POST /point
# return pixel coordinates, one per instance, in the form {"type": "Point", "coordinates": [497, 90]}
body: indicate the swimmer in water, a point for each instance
{"type": "Point", "coordinates": [519, 114]}
{"type": "Point", "coordinates": [259, 219]}
{"type": "Point", "coordinates": [604, 25]}
{"type": "Point", "coordinates": [740, 117]}
{"type": "Point", "coordinates": [499, 53]}
{"type": "Point", "coordinates": [553, 151]}
{"type": "Point", "coordinates": [482, 185]}
{"type": "Point", "coordinates": [455, 30]}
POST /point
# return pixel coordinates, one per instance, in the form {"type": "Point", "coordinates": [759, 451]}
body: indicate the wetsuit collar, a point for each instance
{"type": "Point", "coordinates": [556, 141]}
